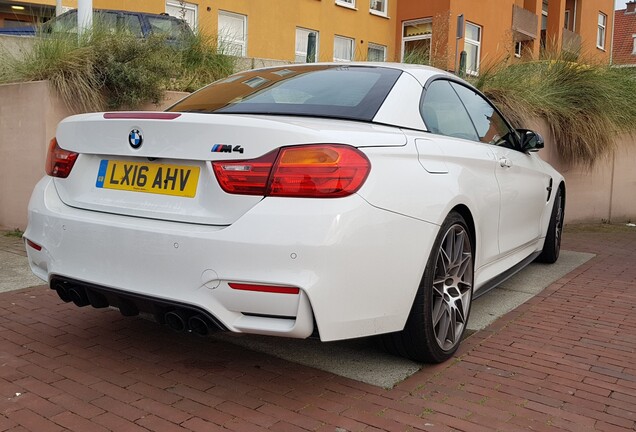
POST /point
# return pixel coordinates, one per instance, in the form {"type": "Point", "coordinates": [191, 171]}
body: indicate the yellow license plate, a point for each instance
{"type": "Point", "coordinates": [166, 179]}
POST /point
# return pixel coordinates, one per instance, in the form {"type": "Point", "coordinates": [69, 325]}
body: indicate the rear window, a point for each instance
{"type": "Point", "coordinates": [349, 92]}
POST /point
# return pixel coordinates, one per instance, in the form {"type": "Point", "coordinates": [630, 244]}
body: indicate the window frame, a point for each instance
{"type": "Point", "coordinates": [601, 35]}
{"type": "Point", "coordinates": [372, 45]}
{"type": "Point", "coordinates": [634, 40]}
{"type": "Point", "coordinates": [350, 4]}
{"type": "Point", "coordinates": [518, 49]}
{"type": "Point", "coordinates": [305, 52]}
{"type": "Point", "coordinates": [193, 7]}
{"type": "Point", "coordinates": [453, 81]}
{"type": "Point", "coordinates": [544, 14]}
{"type": "Point", "coordinates": [383, 12]}
{"type": "Point", "coordinates": [405, 39]}
{"type": "Point", "coordinates": [242, 43]}
{"type": "Point", "coordinates": [353, 48]}
{"type": "Point", "coordinates": [475, 43]}
{"type": "Point", "coordinates": [511, 130]}
{"type": "Point", "coordinates": [567, 19]}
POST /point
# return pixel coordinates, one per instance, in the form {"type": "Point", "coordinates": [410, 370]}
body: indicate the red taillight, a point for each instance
{"type": "Point", "coordinates": [245, 177]}
{"type": "Point", "coordinates": [59, 162]}
{"type": "Point", "coordinates": [308, 171]}
{"type": "Point", "coordinates": [264, 288]}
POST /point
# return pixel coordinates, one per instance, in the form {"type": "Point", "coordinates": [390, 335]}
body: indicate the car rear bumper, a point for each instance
{"type": "Point", "coordinates": [357, 267]}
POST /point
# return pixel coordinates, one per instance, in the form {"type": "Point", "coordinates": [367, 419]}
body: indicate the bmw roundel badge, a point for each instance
{"type": "Point", "coordinates": [135, 139]}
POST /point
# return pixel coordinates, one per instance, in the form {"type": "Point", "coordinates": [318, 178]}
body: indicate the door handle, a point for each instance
{"type": "Point", "coordinates": [505, 163]}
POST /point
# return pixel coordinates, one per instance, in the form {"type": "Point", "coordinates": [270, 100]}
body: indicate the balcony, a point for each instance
{"type": "Point", "coordinates": [524, 24]}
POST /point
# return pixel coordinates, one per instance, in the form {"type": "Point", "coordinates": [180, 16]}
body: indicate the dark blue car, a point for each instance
{"type": "Point", "coordinates": [140, 24]}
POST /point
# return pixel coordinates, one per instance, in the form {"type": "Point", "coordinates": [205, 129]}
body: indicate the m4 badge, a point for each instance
{"type": "Point", "coordinates": [226, 148]}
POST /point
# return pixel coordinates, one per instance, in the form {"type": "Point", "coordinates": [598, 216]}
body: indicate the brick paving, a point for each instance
{"type": "Point", "coordinates": [565, 360]}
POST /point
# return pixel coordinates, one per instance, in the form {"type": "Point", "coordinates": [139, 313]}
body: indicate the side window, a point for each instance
{"type": "Point", "coordinates": [491, 127]}
{"type": "Point", "coordinates": [444, 114]}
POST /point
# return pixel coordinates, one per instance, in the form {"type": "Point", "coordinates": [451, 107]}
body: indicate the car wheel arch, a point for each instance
{"type": "Point", "coordinates": [465, 212]}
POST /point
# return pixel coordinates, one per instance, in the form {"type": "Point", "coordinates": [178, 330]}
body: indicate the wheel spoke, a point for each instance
{"type": "Point", "coordinates": [451, 337]}
{"type": "Point", "coordinates": [438, 311]}
{"type": "Point", "coordinates": [459, 248]}
{"type": "Point", "coordinates": [444, 259]}
{"type": "Point", "coordinates": [443, 327]}
{"type": "Point", "coordinates": [438, 286]}
{"type": "Point", "coordinates": [465, 263]}
{"type": "Point", "coordinates": [461, 309]}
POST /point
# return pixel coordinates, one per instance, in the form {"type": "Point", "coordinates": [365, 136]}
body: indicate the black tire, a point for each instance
{"type": "Point", "coordinates": [552, 245]}
{"type": "Point", "coordinates": [449, 300]}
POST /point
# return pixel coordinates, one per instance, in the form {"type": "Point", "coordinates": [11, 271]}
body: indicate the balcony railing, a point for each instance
{"type": "Point", "coordinates": [524, 23]}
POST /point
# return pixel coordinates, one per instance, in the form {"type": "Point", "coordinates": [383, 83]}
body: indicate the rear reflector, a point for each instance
{"type": "Point", "coordinates": [142, 115]}
{"type": "Point", "coordinates": [308, 171]}
{"type": "Point", "coordinates": [264, 288]}
{"type": "Point", "coordinates": [35, 246]}
{"type": "Point", "coordinates": [59, 162]}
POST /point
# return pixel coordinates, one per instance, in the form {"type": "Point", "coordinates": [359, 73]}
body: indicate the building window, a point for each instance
{"type": "Point", "coordinates": [186, 11]}
{"type": "Point", "coordinates": [378, 7]}
{"type": "Point", "coordinates": [302, 40]}
{"type": "Point", "coordinates": [346, 3]}
{"type": "Point", "coordinates": [376, 53]}
{"type": "Point", "coordinates": [600, 34]}
{"type": "Point", "coordinates": [232, 37]}
{"type": "Point", "coordinates": [566, 23]}
{"type": "Point", "coordinates": [634, 49]}
{"type": "Point", "coordinates": [472, 46]}
{"type": "Point", "coordinates": [518, 49]}
{"type": "Point", "coordinates": [416, 41]}
{"type": "Point", "coordinates": [343, 48]}
{"type": "Point", "coordinates": [544, 16]}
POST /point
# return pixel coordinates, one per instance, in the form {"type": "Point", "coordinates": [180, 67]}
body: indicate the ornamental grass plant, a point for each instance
{"type": "Point", "coordinates": [586, 105]}
{"type": "Point", "coordinates": [112, 70]}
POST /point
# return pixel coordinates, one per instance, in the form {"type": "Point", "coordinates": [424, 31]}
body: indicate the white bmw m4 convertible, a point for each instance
{"type": "Point", "coordinates": [331, 200]}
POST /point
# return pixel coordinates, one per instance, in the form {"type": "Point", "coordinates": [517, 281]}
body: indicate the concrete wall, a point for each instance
{"type": "Point", "coordinates": [29, 113]}
{"type": "Point", "coordinates": [17, 46]}
{"type": "Point", "coordinates": [605, 192]}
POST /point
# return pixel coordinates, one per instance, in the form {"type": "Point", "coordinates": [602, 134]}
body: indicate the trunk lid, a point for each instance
{"type": "Point", "coordinates": [173, 152]}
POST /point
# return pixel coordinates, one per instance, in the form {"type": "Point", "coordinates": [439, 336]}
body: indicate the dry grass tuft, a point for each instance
{"type": "Point", "coordinates": [116, 70]}
{"type": "Point", "coordinates": [585, 105]}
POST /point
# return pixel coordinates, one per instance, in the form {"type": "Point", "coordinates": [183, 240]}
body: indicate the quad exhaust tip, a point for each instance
{"type": "Point", "coordinates": [181, 320]}
{"type": "Point", "coordinates": [178, 318]}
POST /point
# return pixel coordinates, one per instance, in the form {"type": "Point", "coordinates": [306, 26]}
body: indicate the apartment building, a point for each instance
{"type": "Point", "coordinates": [624, 46]}
{"type": "Point", "coordinates": [344, 30]}
{"type": "Point", "coordinates": [494, 30]}
{"type": "Point", "coordinates": [380, 30]}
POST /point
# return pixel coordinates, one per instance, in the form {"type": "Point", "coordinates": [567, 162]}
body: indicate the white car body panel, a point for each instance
{"type": "Point", "coordinates": [397, 108]}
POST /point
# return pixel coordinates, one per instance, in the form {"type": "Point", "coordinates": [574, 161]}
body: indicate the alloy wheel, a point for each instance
{"type": "Point", "coordinates": [452, 287]}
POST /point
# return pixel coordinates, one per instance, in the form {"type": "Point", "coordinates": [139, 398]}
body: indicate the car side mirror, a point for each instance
{"type": "Point", "coordinates": [530, 140]}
